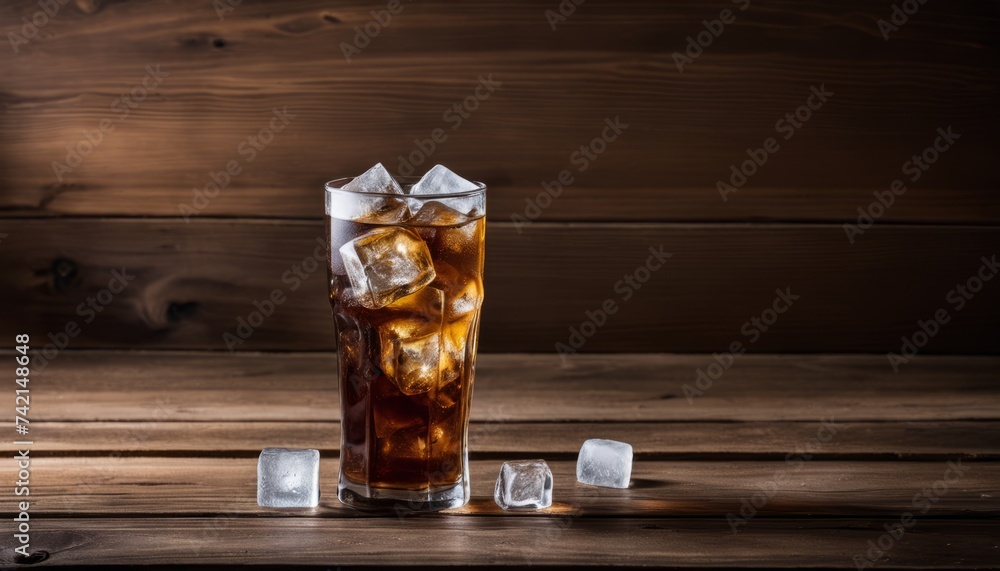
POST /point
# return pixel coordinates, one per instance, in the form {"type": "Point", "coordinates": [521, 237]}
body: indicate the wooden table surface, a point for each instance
{"type": "Point", "coordinates": [149, 458]}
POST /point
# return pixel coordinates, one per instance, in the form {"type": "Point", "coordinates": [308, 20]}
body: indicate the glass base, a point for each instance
{"type": "Point", "coordinates": [402, 502]}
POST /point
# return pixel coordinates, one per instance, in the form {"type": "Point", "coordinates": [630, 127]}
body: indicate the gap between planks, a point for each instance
{"type": "Point", "coordinates": [175, 487]}
{"type": "Point", "coordinates": [489, 541]}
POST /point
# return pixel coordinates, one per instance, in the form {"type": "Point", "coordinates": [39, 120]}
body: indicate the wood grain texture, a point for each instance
{"type": "Point", "coordinates": [753, 439]}
{"type": "Point", "coordinates": [112, 486]}
{"type": "Point", "coordinates": [612, 58]}
{"type": "Point", "coordinates": [194, 281]}
{"type": "Point", "coordinates": [491, 541]}
{"type": "Point", "coordinates": [168, 387]}
{"type": "Point", "coordinates": [126, 496]}
{"type": "Point", "coordinates": [148, 459]}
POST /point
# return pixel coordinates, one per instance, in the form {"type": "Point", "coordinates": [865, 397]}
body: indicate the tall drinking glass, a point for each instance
{"type": "Point", "coordinates": [406, 286]}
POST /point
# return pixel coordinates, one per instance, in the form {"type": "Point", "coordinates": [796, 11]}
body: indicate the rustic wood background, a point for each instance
{"type": "Point", "coordinates": [59, 241]}
{"type": "Point", "coordinates": [148, 458]}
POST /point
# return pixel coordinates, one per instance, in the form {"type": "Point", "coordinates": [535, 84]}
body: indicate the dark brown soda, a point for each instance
{"type": "Point", "coordinates": [391, 439]}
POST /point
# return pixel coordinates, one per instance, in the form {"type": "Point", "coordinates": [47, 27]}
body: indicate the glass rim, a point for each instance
{"type": "Point", "coordinates": [336, 184]}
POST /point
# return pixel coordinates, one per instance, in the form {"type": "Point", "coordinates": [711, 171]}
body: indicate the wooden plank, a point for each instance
{"type": "Point", "coordinates": [491, 541]}
{"type": "Point", "coordinates": [978, 439]}
{"type": "Point", "coordinates": [152, 387]}
{"type": "Point", "coordinates": [118, 486]}
{"type": "Point", "coordinates": [193, 282]}
{"type": "Point", "coordinates": [686, 129]}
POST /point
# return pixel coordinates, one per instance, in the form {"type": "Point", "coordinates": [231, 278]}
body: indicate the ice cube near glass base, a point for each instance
{"type": "Point", "coordinates": [524, 485]}
{"type": "Point", "coordinates": [606, 463]}
{"type": "Point", "coordinates": [288, 478]}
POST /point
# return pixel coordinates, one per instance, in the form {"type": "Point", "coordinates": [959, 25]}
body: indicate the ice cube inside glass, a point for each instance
{"type": "Point", "coordinates": [288, 478]}
{"type": "Point", "coordinates": [406, 288]}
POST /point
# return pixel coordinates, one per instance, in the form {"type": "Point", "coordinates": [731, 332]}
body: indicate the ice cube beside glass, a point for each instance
{"type": "Point", "coordinates": [605, 463]}
{"type": "Point", "coordinates": [288, 478]}
{"type": "Point", "coordinates": [524, 485]}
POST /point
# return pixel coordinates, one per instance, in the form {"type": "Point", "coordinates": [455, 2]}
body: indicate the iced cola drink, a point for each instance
{"type": "Point", "coordinates": [406, 285]}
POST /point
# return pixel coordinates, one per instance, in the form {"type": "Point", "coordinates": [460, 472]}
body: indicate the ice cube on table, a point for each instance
{"type": "Point", "coordinates": [288, 478]}
{"type": "Point", "coordinates": [606, 463]}
{"type": "Point", "coordinates": [524, 484]}
{"type": "Point", "coordinates": [386, 264]}
{"type": "Point", "coordinates": [375, 179]}
{"type": "Point", "coordinates": [440, 180]}
{"type": "Point", "coordinates": [411, 341]}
